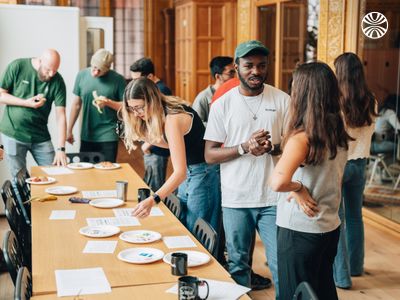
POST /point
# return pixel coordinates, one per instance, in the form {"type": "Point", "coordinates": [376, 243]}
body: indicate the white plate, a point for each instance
{"type": "Point", "coordinates": [48, 181]}
{"type": "Point", "coordinates": [100, 167]}
{"type": "Point", "coordinates": [195, 258]}
{"type": "Point", "coordinates": [99, 231]}
{"type": "Point", "coordinates": [140, 255]}
{"type": "Point", "coordinates": [80, 166]}
{"type": "Point", "coordinates": [106, 202]}
{"type": "Point", "coordinates": [61, 190]}
{"type": "Point", "coordinates": [140, 236]}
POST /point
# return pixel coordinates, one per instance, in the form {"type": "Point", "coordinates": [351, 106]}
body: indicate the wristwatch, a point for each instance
{"type": "Point", "coordinates": [61, 149]}
{"type": "Point", "coordinates": [156, 198]}
{"type": "Point", "coordinates": [241, 150]}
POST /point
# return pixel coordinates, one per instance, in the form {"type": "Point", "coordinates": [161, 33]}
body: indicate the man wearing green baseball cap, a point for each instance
{"type": "Point", "coordinates": [249, 119]}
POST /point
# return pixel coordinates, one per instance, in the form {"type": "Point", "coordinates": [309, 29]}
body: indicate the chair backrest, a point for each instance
{"type": "Point", "coordinates": [23, 285]}
{"type": "Point", "coordinates": [174, 205]}
{"type": "Point", "coordinates": [20, 229]}
{"type": "Point", "coordinates": [12, 254]}
{"type": "Point", "coordinates": [92, 157]}
{"type": "Point", "coordinates": [304, 291]}
{"type": "Point", "coordinates": [7, 191]}
{"type": "Point", "coordinates": [24, 189]}
{"type": "Point", "coordinates": [206, 235]}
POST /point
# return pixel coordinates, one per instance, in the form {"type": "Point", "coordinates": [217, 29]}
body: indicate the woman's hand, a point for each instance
{"type": "Point", "coordinates": [304, 200]}
{"type": "Point", "coordinates": [142, 210]}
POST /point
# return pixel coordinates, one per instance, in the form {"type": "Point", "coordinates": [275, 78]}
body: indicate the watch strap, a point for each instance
{"type": "Point", "coordinates": [156, 198]}
{"type": "Point", "coordinates": [61, 149]}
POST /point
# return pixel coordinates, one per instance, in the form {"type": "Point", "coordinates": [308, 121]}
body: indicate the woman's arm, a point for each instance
{"type": "Point", "coordinates": [294, 154]}
{"type": "Point", "coordinates": [175, 128]}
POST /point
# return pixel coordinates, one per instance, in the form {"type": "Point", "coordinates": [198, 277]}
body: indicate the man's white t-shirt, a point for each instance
{"type": "Point", "coordinates": [244, 179]}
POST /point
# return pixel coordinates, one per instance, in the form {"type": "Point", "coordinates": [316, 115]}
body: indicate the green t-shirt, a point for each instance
{"type": "Point", "coordinates": [25, 124]}
{"type": "Point", "coordinates": [97, 127]}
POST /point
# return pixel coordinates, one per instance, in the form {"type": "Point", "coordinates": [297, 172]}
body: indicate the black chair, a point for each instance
{"type": "Point", "coordinates": [91, 157]}
{"type": "Point", "coordinates": [23, 285]}
{"type": "Point", "coordinates": [12, 254]}
{"type": "Point", "coordinates": [206, 235]}
{"type": "Point", "coordinates": [19, 227]}
{"type": "Point", "coordinates": [23, 188]}
{"type": "Point", "coordinates": [7, 191]}
{"type": "Point", "coordinates": [174, 205]}
{"type": "Point", "coordinates": [304, 291]}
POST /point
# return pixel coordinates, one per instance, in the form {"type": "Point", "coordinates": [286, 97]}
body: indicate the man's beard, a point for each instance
{"type": "Point", "coordinates": [252, 88]}
{"type": "Point", "coordinates": [42, 77]}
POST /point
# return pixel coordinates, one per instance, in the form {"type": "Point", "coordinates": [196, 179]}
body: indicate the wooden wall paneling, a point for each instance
{"type": "Point", "coordinates": [169, 63]}
{"type": "Point", "coordinates": [155, 28]}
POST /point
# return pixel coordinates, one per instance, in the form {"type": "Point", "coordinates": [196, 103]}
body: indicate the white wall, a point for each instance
{"type": "Point", "coordinates": [25, 31]}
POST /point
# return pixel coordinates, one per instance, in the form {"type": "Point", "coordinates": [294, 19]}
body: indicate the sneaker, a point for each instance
{"type": "Point", "coordinates": [259, 283]}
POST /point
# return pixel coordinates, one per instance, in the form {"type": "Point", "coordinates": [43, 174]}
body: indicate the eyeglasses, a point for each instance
{"type": "Point", "coordinates": [136, 109]}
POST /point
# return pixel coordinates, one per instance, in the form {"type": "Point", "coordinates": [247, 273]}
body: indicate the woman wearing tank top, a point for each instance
{"type": "Point", "coordinates": [168, 122]}
{"type": "Point", "coordinates": [311, 170]}
{"type": "Point", "coordinates": [358, 106]}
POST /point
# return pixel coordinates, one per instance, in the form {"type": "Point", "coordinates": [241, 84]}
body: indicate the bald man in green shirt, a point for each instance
{"type": "Point", "coordinates": [28, 88]}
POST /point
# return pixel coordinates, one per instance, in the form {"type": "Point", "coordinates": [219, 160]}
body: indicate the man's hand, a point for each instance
{"type": "Point", "coordinates": [259, 143]}
{"type": "Point", "coordinates": [70, 138]}
{"type": "Point", "coordinates": [60, 159]}
{"type": "Point", "coordinates": [1, 152]}
{"type": "Point", "coordinates": [36, 101]}
{"type": "Point", "coordinates": [146, 148]}
{"type": "Point", "coordinates": [102, 101]}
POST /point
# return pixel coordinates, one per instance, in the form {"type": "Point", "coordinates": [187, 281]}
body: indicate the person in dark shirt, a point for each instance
{"type": "Point", "coordinates": [155, 158]}
{"type": "Point", "coordinates": [169, 122]}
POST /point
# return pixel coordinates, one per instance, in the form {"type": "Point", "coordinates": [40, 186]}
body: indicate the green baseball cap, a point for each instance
{"type": "Point", "coordinates": [244, 48]}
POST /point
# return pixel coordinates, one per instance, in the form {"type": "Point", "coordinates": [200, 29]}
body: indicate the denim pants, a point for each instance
{"type": "Point", "coordinates": [304, 256]}
{"type": "Point", "coordinates": [240, 225]}
{"type": "Point", "coordinates": [16, 151]}
{"type": "Point", "coordinates": [155, 167]}
{"type": "Point", "coordinates": [108, 149]}
{"type": "Point", "coordinates": [349, 260]}
{"type": "Point", "coordinates": [200, 195]}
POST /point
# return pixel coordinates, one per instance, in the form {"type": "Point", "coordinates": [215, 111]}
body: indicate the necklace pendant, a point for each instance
{"type": "Point", "coordinates": [254, 117]}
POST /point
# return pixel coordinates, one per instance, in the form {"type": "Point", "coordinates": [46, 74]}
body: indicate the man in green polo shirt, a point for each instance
{"type": "Point", "coordinates": [28, 87]}
{"type": "Point", "coordinates": [100, 90]}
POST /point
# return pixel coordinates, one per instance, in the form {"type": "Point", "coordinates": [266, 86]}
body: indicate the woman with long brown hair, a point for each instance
{"type": "Point", "coordinates": [358, 107]}
{"type": "Point", "coordinates": [310, 169]}
{"type": "Point", "coordinates": [169, 122]}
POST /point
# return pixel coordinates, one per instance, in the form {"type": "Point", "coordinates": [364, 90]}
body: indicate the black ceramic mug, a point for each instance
{"type": "Point", "coordinates": [143, 193]}
{"type": "Point", "coordinates": [179, 263]}
{"type": "Point", "coordinates": [188, 288]}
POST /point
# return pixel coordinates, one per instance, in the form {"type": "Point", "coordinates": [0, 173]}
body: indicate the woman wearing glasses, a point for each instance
{"type": "Point", "coordinates": [169, 122]}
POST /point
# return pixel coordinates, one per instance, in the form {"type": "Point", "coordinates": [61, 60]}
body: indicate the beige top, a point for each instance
{"type": "Point", "coordinates": [360, 148]}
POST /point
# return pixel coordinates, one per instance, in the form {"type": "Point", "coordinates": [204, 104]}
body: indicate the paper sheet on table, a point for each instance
{"type": "Point", "coordinates": [99, 194]}
{"type": "Point", "coordinates": [180, 241]}
{"type": "Point", "coordinates": [127, 212]}
{"type": "Point", "coordinates": [81, 282]}
{"type": "Point", "coordinates": [57, 170]}
{"type": "Point", "coordinates": [62, 215]}
{"type": "Point", "coordinates": [100, 247]}
{"type": "Point", "coordinates": [115, 221]}
{"type": "Point", "coordinates": [219, 290]}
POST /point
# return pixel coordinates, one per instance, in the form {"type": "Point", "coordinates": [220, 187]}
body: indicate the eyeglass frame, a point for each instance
{"type": "Point", "coordinates": [137, 109]}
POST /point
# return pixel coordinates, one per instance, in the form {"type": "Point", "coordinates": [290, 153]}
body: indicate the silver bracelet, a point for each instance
{"type": "Point", "coordinates": [300, 188]}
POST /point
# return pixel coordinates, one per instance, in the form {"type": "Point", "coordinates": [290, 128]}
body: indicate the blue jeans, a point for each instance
{"type": "Point", "coordinates": [239, 225]}
{"type": "Point", "coordinates": [349, 260]}
{"type": "Point", "coordinates": [155, 167]}
{"type": "Point", "coordinates": [200, 195]}
{"type": "Point", "coordinates": [15, 152]}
